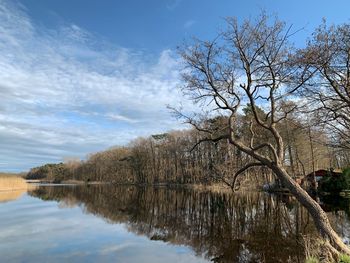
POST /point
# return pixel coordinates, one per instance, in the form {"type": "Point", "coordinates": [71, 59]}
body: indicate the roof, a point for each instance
{"type": "Point", "coordinates": [323, 172]}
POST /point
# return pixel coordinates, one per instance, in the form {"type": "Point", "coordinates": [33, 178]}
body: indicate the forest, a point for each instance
{"type": "Point", "coordinates": [174, 157]}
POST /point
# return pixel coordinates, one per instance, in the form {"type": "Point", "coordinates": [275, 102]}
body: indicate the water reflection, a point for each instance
{"type": "Point", "coordinates": [6, 196]}
{"type": "Point", "coordinates": [250, 227]}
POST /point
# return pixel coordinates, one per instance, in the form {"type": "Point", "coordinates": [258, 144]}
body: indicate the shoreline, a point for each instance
{"type": "Point", "coordinates": [218, 188]}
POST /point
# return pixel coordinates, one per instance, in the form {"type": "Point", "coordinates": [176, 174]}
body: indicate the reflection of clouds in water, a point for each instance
{"type": "Point", "coordinates": [68, 202]}
{"type": "Point", "coordinates": [36, 231]}
{"type": "Point", "coordinates": [169, 216]}
{"type": "Point", "coordinates": [129, 224]}
{"type": "Point", "coordinates": [114, 248]}
{"type": "Point", "coordinates": [155, 252]}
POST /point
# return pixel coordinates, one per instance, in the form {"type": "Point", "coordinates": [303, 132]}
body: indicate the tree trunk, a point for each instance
{"type": "Point", "coordinates": [319, 216]}
{"type": "Point", "coordinates": [314, 183]}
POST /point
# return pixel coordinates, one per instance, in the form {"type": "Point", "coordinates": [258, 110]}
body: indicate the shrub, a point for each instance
{"type": "Point", "coordinates": [51, 171]}
{"type": "Point", "coordinates": [335, 184]}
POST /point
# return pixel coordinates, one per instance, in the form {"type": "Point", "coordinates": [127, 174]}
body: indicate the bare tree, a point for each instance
{"type": "Point", "coordinates": [329, 53]}
{"type": "Point", "coordinates": [252, 63]}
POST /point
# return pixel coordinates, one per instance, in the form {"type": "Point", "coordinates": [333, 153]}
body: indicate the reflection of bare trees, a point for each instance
{"type": "Point", "coordinates": [250, 227]}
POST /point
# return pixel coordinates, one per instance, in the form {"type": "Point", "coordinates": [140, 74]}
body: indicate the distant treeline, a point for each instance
{"type": "Point", "coordinates": [178, 157]}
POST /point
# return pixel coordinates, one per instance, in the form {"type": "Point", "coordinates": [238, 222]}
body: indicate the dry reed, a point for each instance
{"type": "Point", "coordinates": [12, 187]}
{"type": "Point", "coordinates": [11, 182]}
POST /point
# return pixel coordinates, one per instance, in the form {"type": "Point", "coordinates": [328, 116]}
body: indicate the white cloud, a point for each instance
{"type": "Point", "coordinates": [67, 92]}
{"type": "Point", "coordinates": [172, 4]}
{"type": "Point", "coordinates": [115, 248]}
{"type": "Point", "coordinates": [189, 24]}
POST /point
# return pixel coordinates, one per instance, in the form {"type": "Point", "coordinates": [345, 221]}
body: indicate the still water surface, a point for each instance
{"type": "Point", "coordinates": [129, 224]}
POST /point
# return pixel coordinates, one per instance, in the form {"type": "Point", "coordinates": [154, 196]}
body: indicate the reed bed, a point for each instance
{"type": "Point", "coordinates": [12, 182]}
{"type": "Point", "coordinates": [12, 187]}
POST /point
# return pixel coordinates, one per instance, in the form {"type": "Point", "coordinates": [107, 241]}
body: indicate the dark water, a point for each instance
{"type": "Point", "coordinates": [129, 224]}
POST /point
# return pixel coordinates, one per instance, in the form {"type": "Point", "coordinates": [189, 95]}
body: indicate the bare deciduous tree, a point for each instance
{"type": "Point", "coordinates": [329, 53]}
{"type": "Point", "coordinates": [252, 63]}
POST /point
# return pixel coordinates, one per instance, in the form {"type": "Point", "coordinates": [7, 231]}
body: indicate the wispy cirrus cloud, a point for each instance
{"type": "Point", "coordinates": [189, 23]}
{"type": "Point", "coordinates": [67, 92]}
{"type": "Point", "coordinates": [172, 4]}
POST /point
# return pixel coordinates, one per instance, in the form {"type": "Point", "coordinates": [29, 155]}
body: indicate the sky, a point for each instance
{"type": "Point", "coordinates": [80, 76]}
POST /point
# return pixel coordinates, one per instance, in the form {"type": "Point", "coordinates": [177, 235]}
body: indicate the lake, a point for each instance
{"type": "Point", "coordinates": [105, 223]}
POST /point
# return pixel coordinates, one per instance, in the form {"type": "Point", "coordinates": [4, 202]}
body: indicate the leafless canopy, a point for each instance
{"type": "Point", "coordinates": [329, 53]}
{"type": "Point", "coordinates": [248, 64]}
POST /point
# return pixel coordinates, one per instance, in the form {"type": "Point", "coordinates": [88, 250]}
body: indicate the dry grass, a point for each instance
{"type": "Point", "coordinates": [12, 182]}
{"type": "Point", "coordinates": [319, 250]}
{"type": "Point", "coordinates": [9, 183]}
{"type": "Point", "coordinates": [12, 187]}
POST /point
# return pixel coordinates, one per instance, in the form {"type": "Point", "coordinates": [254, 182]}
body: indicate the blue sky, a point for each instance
{"type": "Point", "coordinates": [80, 76]}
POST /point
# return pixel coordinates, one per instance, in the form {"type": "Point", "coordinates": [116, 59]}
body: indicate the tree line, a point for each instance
{"type": "Point", "coordinates": [178, 157]}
